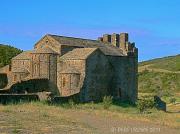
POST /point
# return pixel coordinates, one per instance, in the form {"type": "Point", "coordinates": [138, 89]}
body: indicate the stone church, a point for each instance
{"type": "Point", "coordinates": [67, 66]}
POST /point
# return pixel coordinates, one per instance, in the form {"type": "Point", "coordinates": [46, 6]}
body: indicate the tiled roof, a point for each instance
{"type": "Point", "coordinates": [4, 69]}
{"type": "Point", "coordinates": [23, 55]}
{"type": "Point", "coordinates": [106, 48]}
{"type": "Point", "coordinates": [20, 70]}
{"type": "Point", "coordinates": [69, 69]}
{"type": "Point", "coordinates": [44, 50]}
{"type": "Point", "coordinates": [78, 53]}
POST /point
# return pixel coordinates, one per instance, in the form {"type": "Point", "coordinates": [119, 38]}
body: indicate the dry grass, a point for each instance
{"type": "Point", "coordinates": [38, 118]}
{"type": "Point", "coordinates": [170, 119]}
{"type": "Point", "coordinates": [42, 118]}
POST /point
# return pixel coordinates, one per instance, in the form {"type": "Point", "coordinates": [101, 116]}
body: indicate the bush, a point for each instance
{"type": "Point", "coordinates": [144, 104]}
{"type": "Point", "coordinates": [172, 100]}
{"type": "Point", "coordinates": [71, 103]}
{"type": "Point", "coordinates": [107, 101]}
{"type": "Point", "coordinates": [7, 53]}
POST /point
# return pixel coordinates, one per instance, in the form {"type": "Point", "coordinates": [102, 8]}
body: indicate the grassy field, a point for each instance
{"type": "Point", "coordinates": [150, 81]}
{"type": "Point", "coordinates": [160, 75]}
{"type": "Point", "coordinates": [171, 63]}
{"type": "Point", "coordinates": [39, 117]}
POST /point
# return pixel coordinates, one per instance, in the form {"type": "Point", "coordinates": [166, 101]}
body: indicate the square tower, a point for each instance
{"type": "Point", "coordinates": [123, 40]}
{"type": "Point", "coordinates": [115, 39]}
{"type": "Point", "coordinates": [107, 38]}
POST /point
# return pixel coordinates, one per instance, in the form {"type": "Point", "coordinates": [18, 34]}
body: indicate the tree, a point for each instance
{"type": "Point", "coordinates": [7, 53]}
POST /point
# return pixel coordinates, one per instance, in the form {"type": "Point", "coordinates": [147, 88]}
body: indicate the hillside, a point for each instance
{"type": "Point", "coordinates": [6, 53]}
{"type": "Point", "coordinates": [171, 63]}
{"type": "Point", "coordinates": [162, 74]}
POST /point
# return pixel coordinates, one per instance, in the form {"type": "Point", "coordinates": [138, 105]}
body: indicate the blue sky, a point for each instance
{"type": "Point", "coordinates": [153, 24]}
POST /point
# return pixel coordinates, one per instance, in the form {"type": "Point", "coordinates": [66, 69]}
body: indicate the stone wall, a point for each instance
{"type": "Point", "coordinates": [53, 73]}
{"type": "Point", "coordinates": [106, 38]}
{"type": "Point", "coordinates": [115, 40]}
{"type": "Point", "coordinates": [17, 98]}
{"type": "Point", "coordinates": [64, 73]}
{"type": "Point", "coordinates": [53, 68]}
{"type": "Point", "coordinates": [65, 49]}
{"type": "Point", "coordinates": [21, 63]}
{"type": "Point", "coordinates": [124, 84]}
{"type": "Point", "coordinates": [30, 86]}
{"type": "Point", "coordinates": [120, 41]}
{"type": "Point", "coordinates": [50, 42]}
{"type": "Point", "coordinates": [18, 76]}
{"type": "Point", "coordinates": [123, 40]}
{"type": "Point", "coordinates": [44, 66]}
{"type": "Point", "coordinates": [98, 77]}
{"type": "Point", "coordinates": [40, 65]}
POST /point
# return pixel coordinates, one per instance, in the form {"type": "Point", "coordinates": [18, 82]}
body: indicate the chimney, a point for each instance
{"type": "Point", "coordinates": [100, 38]}
{"type": "Point", "coordinates": [107, 38]}
{"type": "Point", "coordinates": [123, 40]}
{"type": "Point", "coordinates": [115, 39]}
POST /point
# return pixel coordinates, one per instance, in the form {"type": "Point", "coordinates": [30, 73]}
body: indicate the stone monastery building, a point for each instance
{"type": "Point", "coordinates": [67, 66]}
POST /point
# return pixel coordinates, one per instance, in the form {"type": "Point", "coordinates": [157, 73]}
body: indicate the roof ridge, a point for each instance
{"type": "Point", "coordinates": [72, 37]}
{"type": "Point", "coordinates": [106, 48]}
{"type": "Point", "coordinates": [79, 53]}
{"type": "Point", "coordinates": [23, 55]}
{"type": "Point", "coordinates": [44, 50]}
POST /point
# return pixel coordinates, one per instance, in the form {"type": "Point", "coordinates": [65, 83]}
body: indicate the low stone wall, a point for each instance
{"type": "Point", "coordinates": [60, 99]}
{"type": "Point", "coordinates": [15, 98]}
{"type": "Point", "coordinates": [160, 105]}
{"type": "Point", "coordinates": [3, 80]}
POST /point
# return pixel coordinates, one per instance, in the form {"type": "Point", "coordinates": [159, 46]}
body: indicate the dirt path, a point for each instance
{"type": "Point", "coordinates": [112, 125]}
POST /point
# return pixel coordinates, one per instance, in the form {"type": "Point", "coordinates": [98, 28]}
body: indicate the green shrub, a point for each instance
{"type": "Point", "coordinates": [172, 100]}
{"type": "Point", "coordinates": [144, 104]}
{"type": "Point", "coordinates": [107, 101]}
{"type": "Point", "coordinates": [7, 53]}
{"type": "Point", "coordinates": [71, 103]}
{"type": "Point", "coordinates": [164, 93]}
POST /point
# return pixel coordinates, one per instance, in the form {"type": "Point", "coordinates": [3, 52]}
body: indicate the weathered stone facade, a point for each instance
{"type": "Point", "coordinates": [67, 66]}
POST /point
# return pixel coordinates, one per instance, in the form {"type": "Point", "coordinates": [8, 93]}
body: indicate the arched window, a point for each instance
{"type": "Point", "coordinates": [15, 77]}
{"type": "Point", "coordinates": [35, 69]}
{"type": "Point", "coordinates": [63, 82]}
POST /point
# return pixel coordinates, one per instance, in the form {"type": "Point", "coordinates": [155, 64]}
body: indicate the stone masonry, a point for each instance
{"type": "Point", "coordinates": [67, 66]}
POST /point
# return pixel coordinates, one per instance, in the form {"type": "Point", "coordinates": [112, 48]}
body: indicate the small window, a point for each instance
{"type": "Point", "coordinates": [10, 67]}
{"type": "Point", "coordinates": [64, 82]}
{"type": "Point", "coordinates": [36, 69]}
{"type": "Point", "coordinates": [15, 77]}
